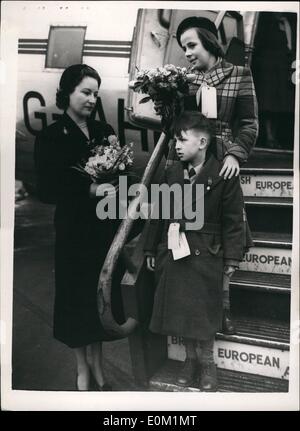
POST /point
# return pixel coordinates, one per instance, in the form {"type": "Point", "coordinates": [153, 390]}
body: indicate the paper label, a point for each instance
{"type": "Point", "coordinates": [209, 101]}
{"type": "Point", "coordinates": [173, 236]}
{"type": "Point", "coordinates": [183, 250]}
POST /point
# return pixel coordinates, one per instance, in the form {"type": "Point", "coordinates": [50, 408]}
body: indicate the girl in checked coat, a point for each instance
{"type": "Point", "coordinates": [236, 122]}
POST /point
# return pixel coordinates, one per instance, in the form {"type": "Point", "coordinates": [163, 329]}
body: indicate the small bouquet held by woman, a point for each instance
{"type": "Point", "coordinates": [167, 84]}
{"type": "Point", "coordinates": [107, 161]}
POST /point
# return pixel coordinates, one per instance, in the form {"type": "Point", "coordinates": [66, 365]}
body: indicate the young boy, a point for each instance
{"type": "Point", "coordinates": [188, 296]}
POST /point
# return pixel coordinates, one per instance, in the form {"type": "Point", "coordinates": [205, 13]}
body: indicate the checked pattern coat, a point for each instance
{"type": "Point", "coordinates": [237, 123]}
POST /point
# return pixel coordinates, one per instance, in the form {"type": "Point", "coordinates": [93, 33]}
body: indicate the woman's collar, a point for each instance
{"type": "Point", "coordinates": [78, 122]}
{"type": "Point", "coordinates": [216, 74]}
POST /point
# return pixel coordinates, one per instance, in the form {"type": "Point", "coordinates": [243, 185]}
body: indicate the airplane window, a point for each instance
{"type": "Point", "coordinates": [65, 46]}
{"type": "Point", "coordinates": [222, 34]}
{"type": "Point", "coordinates": [164, 16]}
{"type": "Point", "coordinates": [228, 29]}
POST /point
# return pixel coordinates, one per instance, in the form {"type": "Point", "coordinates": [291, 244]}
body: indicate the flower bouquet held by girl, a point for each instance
{"type": "Point", "coordinates": [167, 84]}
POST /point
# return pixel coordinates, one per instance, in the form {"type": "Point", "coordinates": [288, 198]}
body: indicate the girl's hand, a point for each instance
{"type": "Point", "coordinates": [150, 263]}
{"type": "Point", "coordinates": [230, 167]}
{"type": "Point", "coordinates": [158, 104]}
{"type": "Point", "coordinates": [93, 190]}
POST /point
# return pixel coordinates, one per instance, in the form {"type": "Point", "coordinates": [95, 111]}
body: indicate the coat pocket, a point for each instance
{"type": "Point", "coordinates": [215, 249]}
{"type": "Point", "coordinates": [214, 245]}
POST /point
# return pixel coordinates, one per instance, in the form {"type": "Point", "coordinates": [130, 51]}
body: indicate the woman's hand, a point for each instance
{"type": "Point", "coordinates": [104, 190]}
{"type": "Point", "coordinates": [230, 167]}
{"type": "Point", "coordinates": [150, 263]}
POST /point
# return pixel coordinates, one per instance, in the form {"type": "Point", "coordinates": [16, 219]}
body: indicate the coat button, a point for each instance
{"type": "Point", "coordinates": [197, 252]}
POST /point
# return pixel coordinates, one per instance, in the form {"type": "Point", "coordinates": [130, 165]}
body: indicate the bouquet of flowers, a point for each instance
{"type": "Point", "coordinates": [167, 84]}
{"type": "Point", "coordinates": [107, 160]}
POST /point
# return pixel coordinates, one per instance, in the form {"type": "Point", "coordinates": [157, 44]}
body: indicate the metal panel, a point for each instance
{"type": "Point", "coordinates": [240, 357]}
{"type": "Point", "coordinates": [267, 259]}
{"type": "Point", "coordinates": [267, 185]}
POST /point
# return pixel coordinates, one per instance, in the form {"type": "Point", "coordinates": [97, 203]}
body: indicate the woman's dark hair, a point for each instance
{"type": "Point", "coordinates": [71, 77]}
{"type": "Point", "coordinates": [207, 33]}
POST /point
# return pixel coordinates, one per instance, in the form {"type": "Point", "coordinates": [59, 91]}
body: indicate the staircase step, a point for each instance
{"type": "Point", "coordinates": [234, 381]}
{"type": "Point", "coordinates": [274, 283]}
{"type": "Point", "coordinates": [228, 381]}
{"type": "Point", "coordinates": [261, 170]}
{"type": "Point", "coordinates": [264, 159]}
{"type": "Point", "coordinates": [268, 218]}
{"type": "Point", "coordinates": [259, 347]}
{"type": "Point", "coordinates": [285, 202]}
{"type": "Point", "coordinates": [263, 182]}
{"type": "Point", "coordinates": [271, 253]}
{"type": "Point", "coordinates": [272, 239]}
{"type": "Point", "coordinates": [260, 304]}
{"type": "Point", "coordinates": [267, 333]}
{"type": "Point", "coordinates": [253, 331]}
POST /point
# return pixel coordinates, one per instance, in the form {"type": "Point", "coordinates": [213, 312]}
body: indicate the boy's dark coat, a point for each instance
{"type": "Point", "coordinates": [188, 297]}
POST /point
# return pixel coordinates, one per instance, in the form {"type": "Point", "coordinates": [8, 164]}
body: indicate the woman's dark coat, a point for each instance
{"type": "Point", "coordinates": [188, 296]}
{"type": "Point", "coordinates": [82, 240]}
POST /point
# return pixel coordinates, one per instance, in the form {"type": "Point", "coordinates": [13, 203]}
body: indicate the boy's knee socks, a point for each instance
{"type": "Point", "coordinates": [207, 350]}
{"type": "Point", "coordinates": [226, 300]}
{"type": "Point", "coordinates": [190, 348]}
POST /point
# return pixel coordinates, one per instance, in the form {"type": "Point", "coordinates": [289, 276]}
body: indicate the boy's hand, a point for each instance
{"type": "Point", "coordinates": [230, 167]}
{"type": "Point", "coordinates": [150, 263]}
{"type": "Point", "coordinates": [229, 270]}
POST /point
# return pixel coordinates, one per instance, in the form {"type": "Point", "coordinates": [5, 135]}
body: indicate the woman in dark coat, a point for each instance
{"type": "Point", "coordinates": [82, 240]}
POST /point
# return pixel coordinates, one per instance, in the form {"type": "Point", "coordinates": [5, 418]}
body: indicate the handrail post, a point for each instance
{"type": "Point", "coordinates": [105, 279]}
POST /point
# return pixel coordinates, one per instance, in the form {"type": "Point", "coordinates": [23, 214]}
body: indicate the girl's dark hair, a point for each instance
{"type": "Point", "coordinates": [71, 77]}
{"type": "Point", "coordinates": [207, 33]}
{"type": "Point", "coordinates": [195, 120]}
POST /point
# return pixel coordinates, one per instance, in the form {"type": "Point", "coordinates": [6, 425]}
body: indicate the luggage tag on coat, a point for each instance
{"type": "Point", "coordinates": [173, 236]}
{"type": "Point", "coordinates": [209, 101]}
{"type": "Point", "coordinates": [183, 250]}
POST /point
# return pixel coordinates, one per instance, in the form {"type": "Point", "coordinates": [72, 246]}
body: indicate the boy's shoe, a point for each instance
{"type": "Point", "coordinates": [187, 374]}
{"type": "Point", "coordinates": [208, 377]}
{"type": "Point", "coordinates": [227, 324]}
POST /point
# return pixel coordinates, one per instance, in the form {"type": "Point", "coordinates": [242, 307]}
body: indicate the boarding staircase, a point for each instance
{"type": "Point", "coordinates": [256, 358]}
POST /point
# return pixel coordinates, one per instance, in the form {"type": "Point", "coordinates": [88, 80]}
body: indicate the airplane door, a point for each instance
{"type": "Point", "coordinates": [154, 45]}
{"type": "Point", "coordinates": [148, 51]}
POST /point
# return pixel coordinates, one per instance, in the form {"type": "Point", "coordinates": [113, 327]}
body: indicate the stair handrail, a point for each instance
{"type": "Point", "coordinates": [104, 288]}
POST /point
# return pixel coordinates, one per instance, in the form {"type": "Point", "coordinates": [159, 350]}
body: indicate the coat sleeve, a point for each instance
{"type": "Point", "coordinates": [232, 220]}
{"type": "Point", "coordinates": [246, 118]}
{"type": "Point", "coordinates": [55, 178]}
